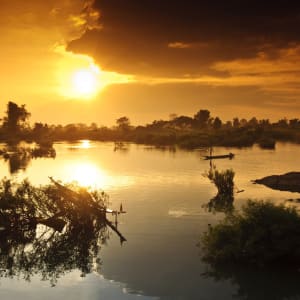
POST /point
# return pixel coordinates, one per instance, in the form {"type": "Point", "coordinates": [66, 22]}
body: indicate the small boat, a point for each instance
{"type": "Point", "coordinates": [209, 157]}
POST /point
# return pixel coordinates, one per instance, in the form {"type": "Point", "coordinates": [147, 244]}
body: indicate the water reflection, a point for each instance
{"type": "Point", "coordinates": [19, 156]}
{"type": "Point", "coordinates": [224, 182]}
{"type": "Point", "coordinates": [258, 284]}
{"type": "Point", "coordinates": [163, 193]}
{"type": "Point", "coordinates": [89, 174]}
{"type": "Point", "coordinates": [17, 160]}
{"type": "Point", "coordinates": [50, 230]}
{"type": "Point", "coordinates": [40, 251]}
{"type": "Point", "coordinates": [86, 174]}
{"type": "Point", "coordinates": [83, 144]}
{"type": "Point", "coordinates": [121, 147]}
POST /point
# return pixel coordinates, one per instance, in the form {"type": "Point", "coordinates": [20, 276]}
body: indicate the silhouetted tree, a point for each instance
{"type": "Point", "coordinates": [264, 123]}
{"type": "Point", "coordinates": [16, 117]}
{"type": "Point", "coordinates": [243, 122]}
{"type": "Point", "coordinates": [282, 123]}
{"type": "Point", "coordinates": [40, 130]}
{"type": "Point", "coordinates": [228, 125]}
{"type": "Point", "coordinates": [294, 123]}
{"type": "Point", "coordinates": [123, 123]}
{"type": "Point", "coordinates": [253, 122]}
{"type": "Point", "coordinates": [217, 123]}
{"type": "Point", "coordinates": [183, 121]}
{"type": "Point", "coordinates": [236, 123]}
{"type": "Point", "coordinates": [202, 117]}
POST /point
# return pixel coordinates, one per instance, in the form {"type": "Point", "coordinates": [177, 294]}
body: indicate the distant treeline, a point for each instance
{"type": "Point", "coordinates": [201, 130]}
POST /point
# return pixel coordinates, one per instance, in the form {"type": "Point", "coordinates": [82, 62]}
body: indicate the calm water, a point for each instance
{"type": "Point", "coordinates": [163, 193]}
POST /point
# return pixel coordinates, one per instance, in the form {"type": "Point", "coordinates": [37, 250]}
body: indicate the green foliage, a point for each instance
{"type": "Point", "coordinates": [261, 234]}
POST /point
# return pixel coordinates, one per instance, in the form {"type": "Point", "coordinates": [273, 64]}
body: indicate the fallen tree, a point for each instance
{"type": "Point", "coordinates": [74, 225]}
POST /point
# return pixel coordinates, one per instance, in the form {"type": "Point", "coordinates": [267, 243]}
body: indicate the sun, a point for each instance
{"type": "Point", "coordinates": [77, 76]}
{"type": "Point", "coordinates": [84, 82]}
{"type": "Point", "coordinates": [81, 82]}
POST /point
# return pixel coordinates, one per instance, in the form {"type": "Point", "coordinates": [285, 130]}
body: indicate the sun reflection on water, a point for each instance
{"type": "Point", "coordinates": [88, 174]}
{"type": "Point", "coordinates": [85, 144]}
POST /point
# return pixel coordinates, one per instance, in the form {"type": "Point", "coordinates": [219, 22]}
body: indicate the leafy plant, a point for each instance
{"type": "Point", "coordinates": [261, 234]}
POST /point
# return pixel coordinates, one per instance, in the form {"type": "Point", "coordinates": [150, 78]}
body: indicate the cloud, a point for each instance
{"type": "Point", "coordinates": [31, 31]}
{"type": "Point", "coordinates": [179, 45]}
{"type": "Point", "coordinates": [65, 20]}
{"type": "Point", "coordinates": [278, 74]}
{"type": "Point", "coordinates": [141, 37]}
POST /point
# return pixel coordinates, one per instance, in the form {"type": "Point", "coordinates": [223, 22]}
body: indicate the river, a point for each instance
{"type": "Point", "coordinates": [164, 192]}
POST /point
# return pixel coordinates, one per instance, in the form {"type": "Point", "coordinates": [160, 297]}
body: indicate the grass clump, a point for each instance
{"type": "Point", "coordinates": [262, 234]}
{"type": "Point", "coordinates": [224, 182]}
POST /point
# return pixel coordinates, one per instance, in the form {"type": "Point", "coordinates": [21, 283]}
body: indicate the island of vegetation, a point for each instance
{"type": "Point", "coordinates": [201, 130]}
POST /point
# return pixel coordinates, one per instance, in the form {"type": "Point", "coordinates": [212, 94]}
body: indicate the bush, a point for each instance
{"type": "Point", "coordinates": [223, 180]}
{"type": "Point", "coordinates": [261, 234]}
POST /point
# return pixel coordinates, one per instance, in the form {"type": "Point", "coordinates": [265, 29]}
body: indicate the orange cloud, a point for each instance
{"type": "Point", "coordinates": [179, 45]}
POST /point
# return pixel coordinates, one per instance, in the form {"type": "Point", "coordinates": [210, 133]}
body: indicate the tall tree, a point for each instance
{"type": "Point", "coordinates": [217, 124]}
{"type": "Point", "coordinates": [202, 117]}
{"type": "Point", "coordinates": [123, 123]}
{"type": "Point", "coordinates": [16, 117]}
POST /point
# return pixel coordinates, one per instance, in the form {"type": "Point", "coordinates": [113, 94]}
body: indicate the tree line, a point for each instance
{"type": "Point", "coordinates": [189, 132]}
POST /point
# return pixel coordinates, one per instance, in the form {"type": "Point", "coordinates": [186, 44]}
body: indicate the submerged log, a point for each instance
{"type": "Point", "coordinates": [286, 182]}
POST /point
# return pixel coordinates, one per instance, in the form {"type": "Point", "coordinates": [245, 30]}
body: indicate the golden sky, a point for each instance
{"type": "Point", "coordinates": [93, 61]}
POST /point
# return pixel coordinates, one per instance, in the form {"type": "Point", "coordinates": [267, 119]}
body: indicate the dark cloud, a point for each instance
{"type": "Point", "coordinates": [137, 34]}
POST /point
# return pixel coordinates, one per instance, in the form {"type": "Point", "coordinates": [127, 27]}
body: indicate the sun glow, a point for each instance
{"type": "Point", "coordinates": [88, 174]}
{"type": "Point", "coordinates": [85, 82]}
{"type": "Point", "coordinates": [79, 77]}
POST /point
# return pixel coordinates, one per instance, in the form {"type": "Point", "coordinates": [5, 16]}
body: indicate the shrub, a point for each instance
{"type": "Point", "coordinates": [223, 180]}
{"type": "Point", "coordinates": [261, 234]}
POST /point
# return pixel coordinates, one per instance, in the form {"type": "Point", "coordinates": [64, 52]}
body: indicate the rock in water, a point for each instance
{"type": "Point", "coordinates": [286, 182]}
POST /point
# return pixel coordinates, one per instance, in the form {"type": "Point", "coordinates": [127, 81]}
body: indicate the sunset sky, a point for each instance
{"type": "Point", "coordinates": [94, 61]}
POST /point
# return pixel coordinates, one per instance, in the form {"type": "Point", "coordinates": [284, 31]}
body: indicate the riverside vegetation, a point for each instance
{"type": "Point", "coordinates": [201, 130]}
{"type": "Point", "coordinates": [262, 234]}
